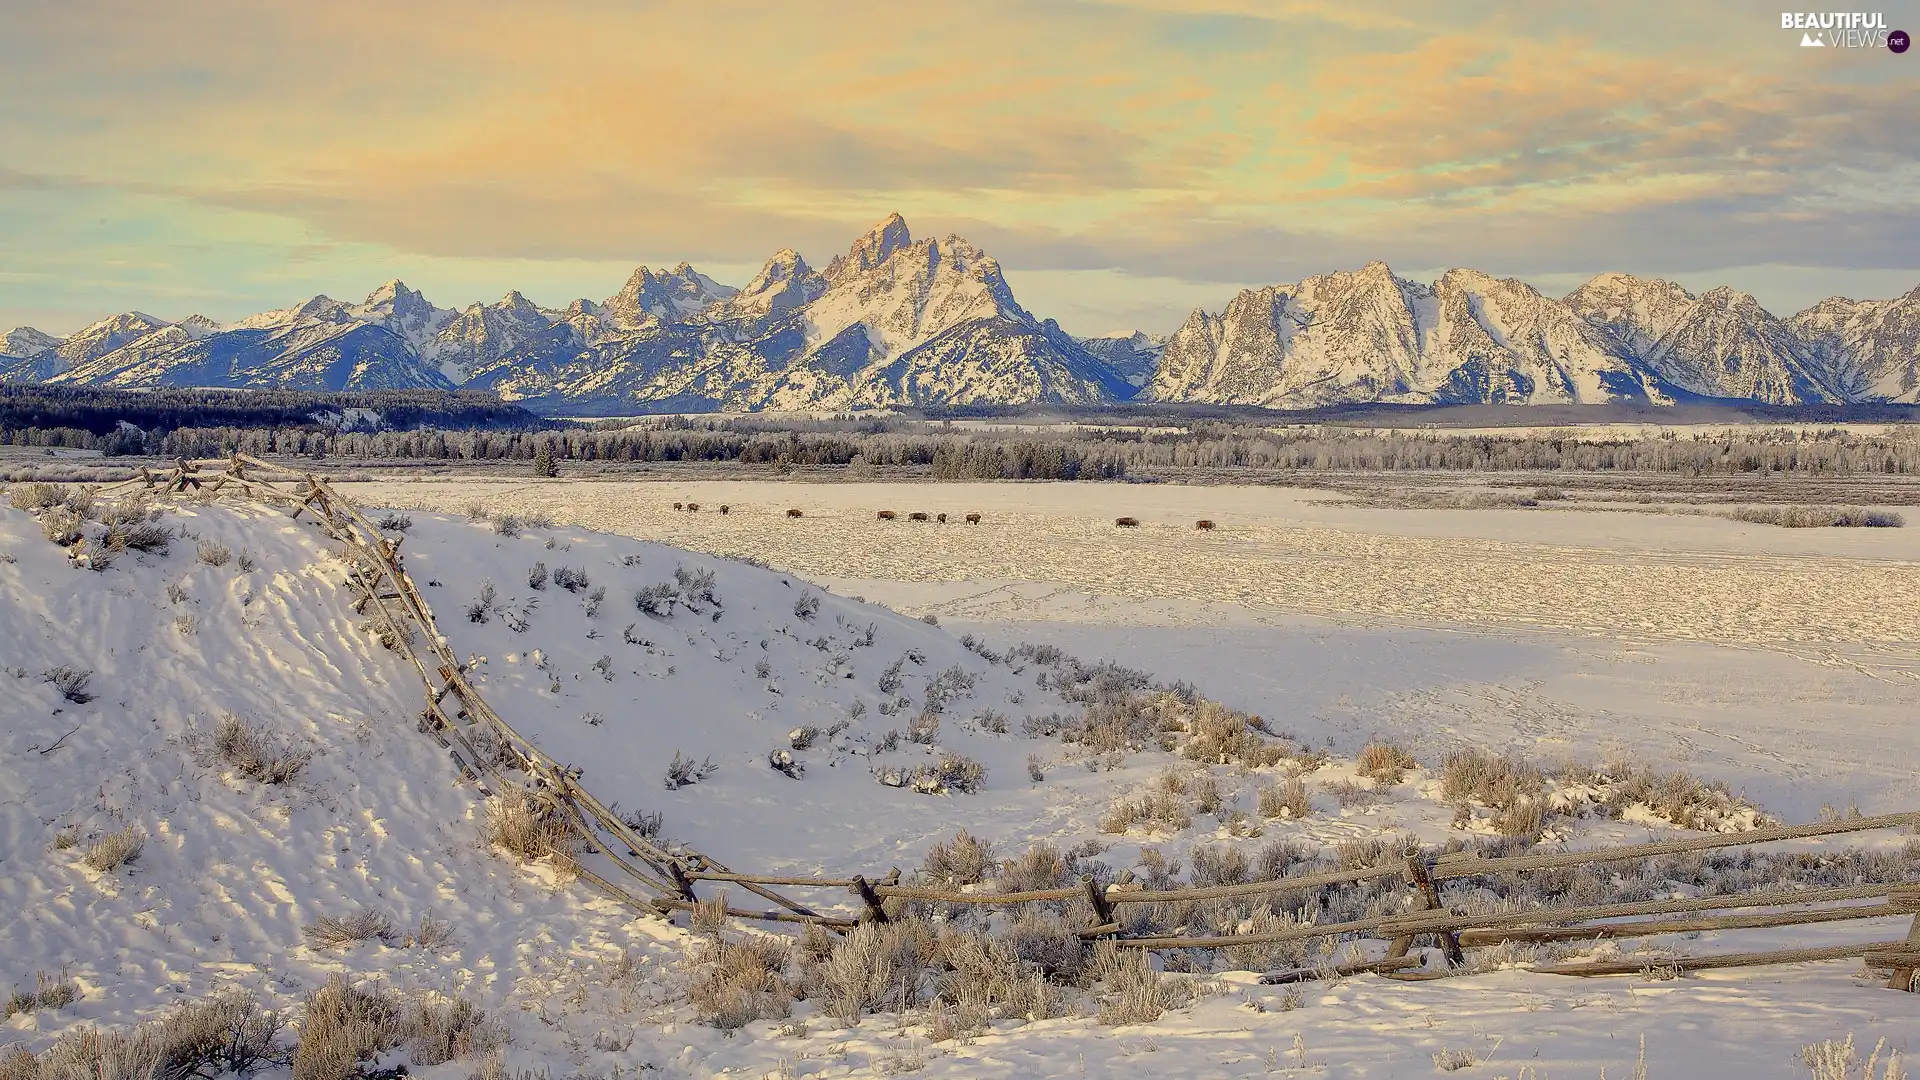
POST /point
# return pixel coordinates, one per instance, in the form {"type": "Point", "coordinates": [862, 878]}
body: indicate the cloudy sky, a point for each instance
{"type": "Point", "coordinates": [1126, 160]}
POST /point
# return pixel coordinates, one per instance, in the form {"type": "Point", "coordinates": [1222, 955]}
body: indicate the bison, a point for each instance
{"type": "Point", "coordinates": [973, 519]}
{"type": "Point", "coordinates": [724, 508]}
{"type": "Point", "coordinates": [1203, 525]}
{"type": "Point", "coordinates": [679, 506]}
{"type": "Point", "coordinates": [1127, 522]}
{"type": "Point", "coordinates": [917, 516]}
{"type": "Point", "coordinates": [693, 508]}
{"type": "Point", "coordinates": [887, 515]}
{"type": "Point", "coordinates": [793, 513]}
{"type": "Point", "coordinates": [941, 518]}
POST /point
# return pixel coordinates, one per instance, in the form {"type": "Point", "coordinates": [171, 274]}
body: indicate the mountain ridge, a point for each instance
{"type": "Point", "coordinates": [899, 321]}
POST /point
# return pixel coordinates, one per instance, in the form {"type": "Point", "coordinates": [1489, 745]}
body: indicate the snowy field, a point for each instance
{"type": "Point", "coordinates": [1777, 661]}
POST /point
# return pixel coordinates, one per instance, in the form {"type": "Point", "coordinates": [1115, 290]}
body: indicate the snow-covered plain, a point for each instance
{"type": "Point", "coordinates": [233, 869]}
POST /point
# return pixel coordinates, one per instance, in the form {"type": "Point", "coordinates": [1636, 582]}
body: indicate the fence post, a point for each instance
{"type": "Point", "coordinates": [1097, 896]}
{"type": "Point", "coordinates": [864, 890]}
{"type": "Point", "coordinates": [1429, 896]}
{"type": "Point", "coordinates": [1903, 977]}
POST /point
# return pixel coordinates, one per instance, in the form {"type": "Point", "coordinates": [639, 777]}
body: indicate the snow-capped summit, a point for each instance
{"type": "Point", "coordinates": [404, 312]}
{"type": "Point", "coordinates": [668, 296]}
{"type": "Point", "coordinates": [1870, 348]}
{"type": "Point", "coordinates": [1720, 344]}
{"type": "Point", "coordinates": [872, 249]}
{"type": "Point", "coordinates": [786, 282]}
{"type": "Point", "coordinates": [24, 341]}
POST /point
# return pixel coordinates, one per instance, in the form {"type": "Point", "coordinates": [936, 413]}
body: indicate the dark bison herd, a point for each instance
{"type": "Point", "coordinates": [1204, 525]}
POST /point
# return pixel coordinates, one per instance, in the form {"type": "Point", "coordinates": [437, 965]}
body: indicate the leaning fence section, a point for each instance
{"type": "Point", "coordinates": [650, 878]}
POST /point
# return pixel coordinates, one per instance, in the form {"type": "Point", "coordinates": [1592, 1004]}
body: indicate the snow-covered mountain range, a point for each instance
{"type": "Point", "coordinates": [902, 322]}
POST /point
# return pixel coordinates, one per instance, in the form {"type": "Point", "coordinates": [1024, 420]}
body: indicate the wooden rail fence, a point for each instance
{"type": "Point", "coordinates": [650, 878]}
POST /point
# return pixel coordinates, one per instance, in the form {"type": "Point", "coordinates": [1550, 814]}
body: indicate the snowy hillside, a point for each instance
{"type": "Point", "coordinates": [212, 768]}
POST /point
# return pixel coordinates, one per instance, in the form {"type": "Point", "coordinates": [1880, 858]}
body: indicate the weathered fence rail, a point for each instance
{"type": "Point", "coordinates": [650, 878]}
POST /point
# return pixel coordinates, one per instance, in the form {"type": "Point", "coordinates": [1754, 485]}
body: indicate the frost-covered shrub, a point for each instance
{"type": "Point", "coordinates": [958, 772]}
{"type": "Point", "coordinates": [876, 966]}
{"type": "Point", "coordinates": [924, 729]}
{"type": "Point", "coordinates": [807, 606]}
{"type": "Point", "coordinates": [570, 578]}
{"type": "Point", "coordinates": [484, 604]}
{"type": "Point", "coordinates": [71, 682]}
{"type": "Point", "coordinates": [737, 982]}
{"type": "Point", "coordinates": [394, 522]}
{"type": "Point", "coordinates": [214, 554]}
{"type": "Point", "coordinates": [62, 526]}
{"type": "Point", "coordinates": [696, 586]}
{"type": "Point", "coordinates": [537, 576]}
{"type": "Point", "coordinates": [963, 859]}
{"type": "Point", "coordinates": [253, 754]}
{"type": "Point", "coordinates": [145, 536]}
{"type": "Point", "coordinates": [955, 682]}
{"type": "Point", "coordinates": [684, 772]}
{"type": "Point", "coordinates": [657, 600]}
{"type": "Point", "coordinates": [505, 524]}
{"type": "Point", "coordinates": [889, 681]}
{"type": "Point", "coordinates": [803, 737]}
{"type": "Point", "coordinates": [781, 760]}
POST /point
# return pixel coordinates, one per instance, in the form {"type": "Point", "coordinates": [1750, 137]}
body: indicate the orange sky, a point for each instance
{"type": "Point", "coordinates": [1126, 161]}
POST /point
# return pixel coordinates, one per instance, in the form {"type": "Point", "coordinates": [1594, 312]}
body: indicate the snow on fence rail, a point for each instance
{"type": "Point", "coordinates": [667, 879]}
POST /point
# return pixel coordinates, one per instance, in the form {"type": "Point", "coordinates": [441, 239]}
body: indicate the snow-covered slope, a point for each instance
{"type": "Point", "coordinates": [245, 614]}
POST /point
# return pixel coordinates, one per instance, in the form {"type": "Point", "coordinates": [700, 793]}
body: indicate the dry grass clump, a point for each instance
{"type": "Point", "coordinates": [214, 554]}
{"type": "Point", "coordinates": [340, 931]}
{"type": "Point", "coordinates": [1286, 799]}
{"type": "Point", "coordinates": [1680, 799]}
{"type": "Point", "coordinates": [1155, 811]}
{"type": "Point", "coordinates": [443, 1031]}
{"type": "Point", "coordinates": [737, 982]}
{"type": "Point", "coordinates": [342, 1026]}
{"type": "Point", "coordinates": [877, 967]}
{"type": "Point", "coordinates": [1833, 1059]}
{"type": "Point", "coordinates": [253, 754]}
{"type": "Point", "coordinates": [1041, 866]}
{"type": "Point", "coordinates": [1493, 780]}
{"type": "Point", "coordinates": [52, 992]}
{"type": "Point", "coordinates": [963, 860]}
{"type": "Point", "coordinates": [1131, 991]}
{"type": "Point", "coordinates": [523, 826]}
{"type": "Point", "coordinates": [1219, 736]}
{"type": "Point", "coordinates": [1386, 762]}
{"type": "Point", "coordinates": [983, 977]}
{"type": "Point", "coordinates": [116, 849]}
{"type": "Point", "coordinates": [1818, 517]}
{"type": "Point", "coordinates": [38, 496]}
{"type": "Point", "coordinates": [225, 1034]}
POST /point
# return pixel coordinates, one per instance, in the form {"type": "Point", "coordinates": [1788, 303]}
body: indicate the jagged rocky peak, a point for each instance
{"type": "Point", "coordinates": [27, 341]}
{"type": "Point", "coordinates": [664, 295]}
{"type": "Point", "coordinates": [876, 247]}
